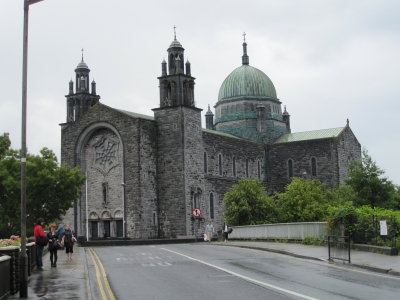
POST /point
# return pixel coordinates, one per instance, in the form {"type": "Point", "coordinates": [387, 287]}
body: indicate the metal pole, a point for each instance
{"type": "Point", "coordinates": [348, 246]}
{"type": "Point", "coordinates": [23, 259]}
{"type": "Point", "coordinates": [329, 247]}
{"type": "Point", "coordinates": [124, 215]}
{"type": "Point", "coordinates": [87, 210]}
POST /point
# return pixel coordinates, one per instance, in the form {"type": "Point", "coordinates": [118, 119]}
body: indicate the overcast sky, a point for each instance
{"type": "Point", "coordinates": [328, 60]}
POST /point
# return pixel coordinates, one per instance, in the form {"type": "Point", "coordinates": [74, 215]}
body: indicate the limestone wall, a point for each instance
{"type": "Point", "coordinates": [324, 151]}
{"type": "Point", "coordinates": [349, 149]}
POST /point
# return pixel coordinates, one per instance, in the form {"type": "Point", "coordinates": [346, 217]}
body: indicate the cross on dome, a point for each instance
{"type": "Point", "coordinates": [174, 32]}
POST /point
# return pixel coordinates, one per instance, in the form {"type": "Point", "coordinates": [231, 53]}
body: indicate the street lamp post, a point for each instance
{"type": "Point", "coordinates": [23, 260]}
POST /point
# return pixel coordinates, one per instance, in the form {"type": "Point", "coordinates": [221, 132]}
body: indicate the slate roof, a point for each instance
{"type": "Point", "coordinates": [136, 115]}
{"type": "Point", "coordinates": [227, 135]}
{"type": "Point", "coordinates": [309, 135]}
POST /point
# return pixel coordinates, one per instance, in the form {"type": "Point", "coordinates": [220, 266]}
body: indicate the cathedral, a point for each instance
{"type": "Point", "coordinates": [145, 174]}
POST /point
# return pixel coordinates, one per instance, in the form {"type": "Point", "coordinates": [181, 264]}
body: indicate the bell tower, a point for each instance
{"type": "Point", "coordinates": [179, 139]}
{"type": "Point", "coordinates": [176, 85]}
{"type": "Point", "coordinates": [82, 100]}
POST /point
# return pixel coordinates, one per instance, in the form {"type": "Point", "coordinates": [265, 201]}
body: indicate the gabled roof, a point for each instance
{"type": "Point", "coordinates": [309, 135]}
{"type": "Point", "coordinates": [135, 115]}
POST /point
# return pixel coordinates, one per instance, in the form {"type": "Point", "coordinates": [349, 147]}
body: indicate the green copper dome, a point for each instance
{"type": "Point", "coordinates": [246, 82]}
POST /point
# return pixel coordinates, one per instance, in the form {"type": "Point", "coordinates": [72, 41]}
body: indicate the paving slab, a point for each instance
{"type": "Point", "coordinates": [66, 281]}
{"type": "Point", "coordinates": [367, 260]}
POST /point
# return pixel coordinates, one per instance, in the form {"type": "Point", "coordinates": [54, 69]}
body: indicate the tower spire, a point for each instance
{"type": "Point", "coordinates": [82, 54]}
{"type": "Point", "coordinates": [245, 57]}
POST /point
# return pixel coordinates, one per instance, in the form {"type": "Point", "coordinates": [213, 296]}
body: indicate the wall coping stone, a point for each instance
{"type": "Point", "coordinates": [276, 224]}
{"type": "Point", "coordinates": [9, 248]}
{"type": "Point", "coordinates": [4, 257]}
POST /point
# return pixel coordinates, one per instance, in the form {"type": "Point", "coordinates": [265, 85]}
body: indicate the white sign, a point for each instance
{"type": "Point", "coordinates": [383, 227]}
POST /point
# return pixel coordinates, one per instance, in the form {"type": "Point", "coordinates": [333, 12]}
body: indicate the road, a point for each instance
{"type": "Point", "coordinates": [209, 271]}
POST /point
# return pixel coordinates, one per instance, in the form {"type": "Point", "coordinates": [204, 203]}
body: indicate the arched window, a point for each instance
{"type": "Point", "coordinates": [290, 168]}
{"type": "Point", "coordinates": [205, 163]}
{"type": "Point", "coordinates": [234, 166]}
{"type": "Point", "coordinates": [247, 168]}
{"type": "Point", "coordinates": [211, 206]}
{"type": "Point", "coordinates": [313, 166]}
{"type": "Point", "coordinates": [258, 170]}
{"type": "Point", "coordinates": [194, 200]}
{"type": "Point", "coordinates": [105, 193]}
{"type": "Point", "coordinates": [220, 164]}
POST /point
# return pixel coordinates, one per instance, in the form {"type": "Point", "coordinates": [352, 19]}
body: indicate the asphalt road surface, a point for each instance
{"type": "Point", "coordinates": [207, 271]}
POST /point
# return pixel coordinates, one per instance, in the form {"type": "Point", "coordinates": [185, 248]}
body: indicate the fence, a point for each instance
{"type": "Point", "coordinates": [289, 231]}
{"type": "Point", "coordinates": [9, 267]}
{"type": "Point", "coordinates": [5, 277]}
{"type": "Point", "coordinates": [366, 230]}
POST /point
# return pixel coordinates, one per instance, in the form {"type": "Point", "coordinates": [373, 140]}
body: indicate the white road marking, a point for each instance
{"type": "Point", "coordinates": [244, 277]}
{"type": "Point", "coordinates": [121, 258]}
{"type": "Point", "coordinates": [148, 265]}
{"type": "Point", "coordinates": [166, 264]}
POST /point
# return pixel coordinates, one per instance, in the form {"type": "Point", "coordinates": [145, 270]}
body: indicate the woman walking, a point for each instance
{"type": "Point", "coordinates": [69, 239]}
{"type": "Point", "coordinates": [53, 237]}
{"type": "Point", "coordinates": [39, 234]}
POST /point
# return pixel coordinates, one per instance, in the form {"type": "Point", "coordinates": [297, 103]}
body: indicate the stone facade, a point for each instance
{"type": "Point", "coordinates": [145, 175]}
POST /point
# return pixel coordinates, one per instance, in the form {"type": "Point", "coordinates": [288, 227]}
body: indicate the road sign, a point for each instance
{"type": "Point", "coordinates": [196, 212]}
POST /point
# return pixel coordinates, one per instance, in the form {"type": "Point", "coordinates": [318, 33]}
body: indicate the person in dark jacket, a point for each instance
{"type": "Point", "coordinates": [60, 230]}
{"type": "Point", "coordinates": [53, 236]}
{"type": "Point", "coordinates": [225, 231]}
{"type": "Point", "coordinates": [69, 238]}
{"type": "Point", "coordinates": [38, 231]}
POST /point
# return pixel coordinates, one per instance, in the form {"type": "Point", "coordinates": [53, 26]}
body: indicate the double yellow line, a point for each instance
{"type": "Point", "coordinates": [101, 276]}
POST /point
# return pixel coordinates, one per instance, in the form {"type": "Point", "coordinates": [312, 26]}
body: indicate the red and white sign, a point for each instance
{"type": "Point", "coordinates": [196, 212]}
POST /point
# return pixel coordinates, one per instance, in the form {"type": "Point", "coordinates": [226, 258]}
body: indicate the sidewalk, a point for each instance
{"type": "Point", "coordinates": [66, 281]}
{"type": "Point", "coordinates": [366, 260]}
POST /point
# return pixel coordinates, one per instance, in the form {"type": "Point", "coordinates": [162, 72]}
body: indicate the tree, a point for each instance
{"type": "Point", "coordinates": [4, 144]}
{"type": "Point", "coordinates": [342, 194]}
{"type": "Point", "coordinates": [304, 201]}
{"type": "Point", "coordinates": [51, 189]}
{"type": "Point", "coordinates": [247, 203]}
{"type": "Point", "coordinates": [372, 189]}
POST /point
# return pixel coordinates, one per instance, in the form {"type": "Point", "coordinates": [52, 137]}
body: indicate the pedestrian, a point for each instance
{"type": "Point", "coordinates": [69, 239]}
{"type": "Point", "coordinates": [209, 231]}
{"type": "Point", "coordinates": [60, 230]}
{"type": "Point", "coordinates": [225, 231]}
{"type": "Point", "coordinates": [53, 237]}
{"type": "Point", "coordinates": [40, 239]}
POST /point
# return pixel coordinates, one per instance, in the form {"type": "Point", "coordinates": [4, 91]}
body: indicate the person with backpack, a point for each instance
{"type": "Point", "coordinates": [41, 241]}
